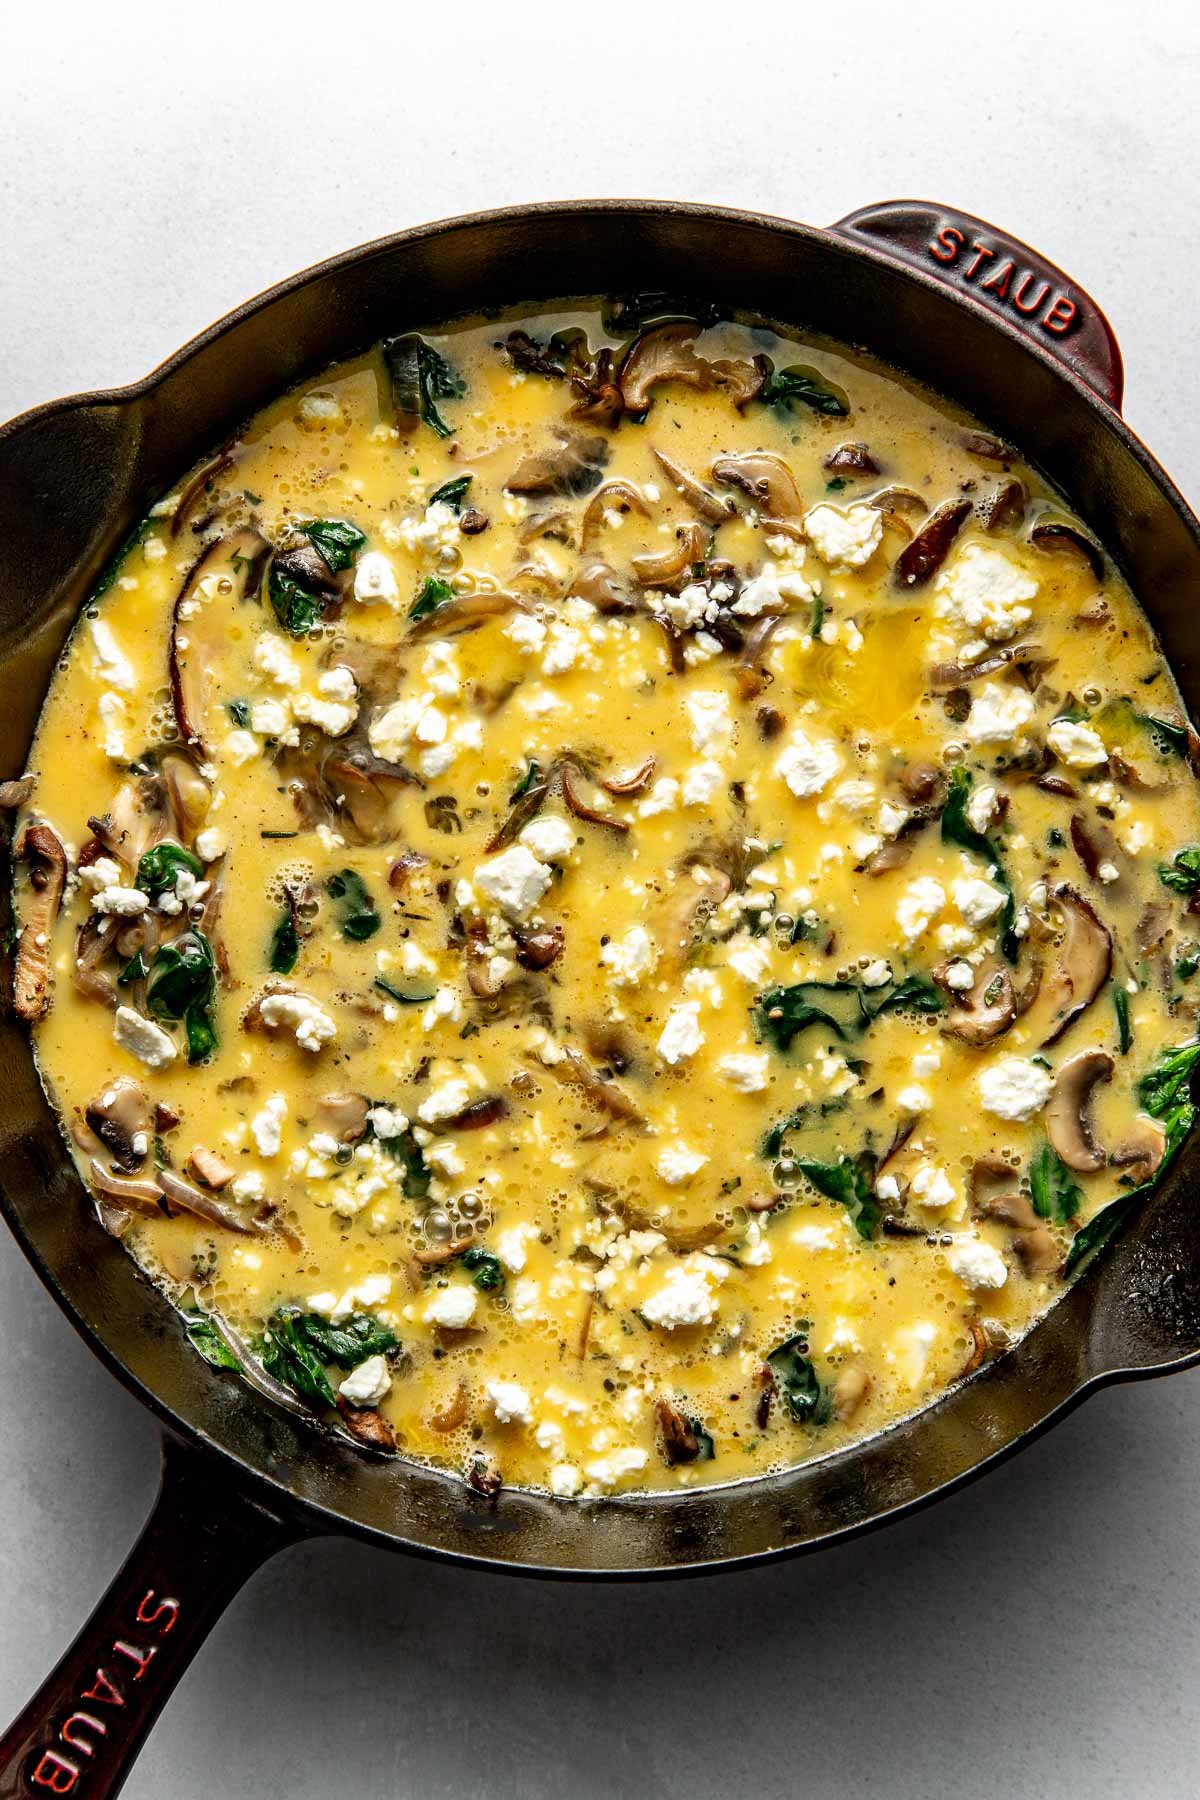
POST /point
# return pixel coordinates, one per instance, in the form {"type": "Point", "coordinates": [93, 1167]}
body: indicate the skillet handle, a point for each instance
{"type": "Point", "coordinates": [81, 1731]}
{"type": "Point", "coordinates": [1002, 274]}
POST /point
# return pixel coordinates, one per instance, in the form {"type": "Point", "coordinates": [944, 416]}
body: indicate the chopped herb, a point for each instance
{"type": "Point", "coordinates": [800, 386]}
{"type": "Point", "coordinates": [394, 993]}
{"type": "Point", "coordinates": [486, 1270]}
{"type": "Point", "coordinates": [957, 829]}
{"type": "Point", "coordinates": [836, 485]}
{"type": "Point", "coordinates": [1182, 873]}
{"type": "Point", "coordinates": [251, 496]}
{"type": "Point", "coordinates": [278, 834]}
{"type": "Point", "coordinates": [1165, 1090]}
{"type": "Point", "coordinates": [239, 712]}
{"type": "Point", "coordinates": [205, 1338]}
{"type": "Point", "coordinates": [441, 813]}
{"type": "Point", "coordinates": [357, 917]}
{"type": "Point", "coordinates": [792, 1368]}
{"type": "Point", "coordinates": [338, 541]}
{"type": "Point", "coordinates": [530, 779]}
{"type": "Point", "coordinates": [158, 867]}
{"type": "Point", "coordinates": [181, 985]}
{"type": "Point", "coordinates": [420, 376]}
{"type": "Point", "coordinates": [1053, 1193]}
{"type": "Point", "coordinates": [1121, 1008]}
{"type": "Point", "coordinates": [135, 970]}
{"type": "Point", "coordinates": [818, 617]}
{"type": "Point", "coordinates": [847, 1183]}
{"type": "Point", "coordinates": [285, 944]}
{"type": "Point", "coordinates": [452, 493]}
{"type": "Point", "coordinates": [433, 594]}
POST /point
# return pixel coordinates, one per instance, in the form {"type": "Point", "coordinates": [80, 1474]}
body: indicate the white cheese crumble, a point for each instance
{"type": "Point", "coordinates": [681, 1036]}
{"type": "Point", "coordinates": [1076, 745]}
{"type": "Point", "coordinates": [146, 1040]}
{"type": "Point", "coordinates": [977, 1264]}
{"type": "Point", "coordinates": [998, 713]}
{"type": "Point", "coordinates": [981, 808]}
{"type": "Point", "coordinates": [127, 903]}
{"type": "Point", "coordinates": [631, 958]}
{"type": "Point", "coordinates": [453, 1307]}
{"type": "Point", "coordinates": [514, 881]}
{"type": "Point", "coordinates": [606, 1471]}
{"type": "Point", "coordinates": [677, 1164]}
{"type": "Point", "coordinates": [112, 665]}
{"type": "Point", "coordinates": [367, 1384]}
{"type": "Point", "coordinates": [297, 1012]}
{"type": "Point", "coordinates": [983, 590]}
{"type": "Point", "coordinates": [978, 901]}
{"type": "Point", "coordinates": [1012, 1088]}
{"type": "Point", "coordinates": [918, 906]}
{"type": "Point", "coordinates": [509, 1402]}
{"type": "Point", "coordinates": [687, 1296]}
{"type": "Point", "coordinates": [932, 1186]}
{"type": "Point", "coordinates": [702, 781]}
{"type": "Point", "coordinates": [808, 765]}
{"type": "Point", "coordinates": [375, 579]}
{"type": "Point", "coordinates": [844, 539]}
{"type": "Point", "coordinates": [711, 724]}
{"type": "Point", "coordinates": [744, 1071]}
{"type": "Point", "coordinates": [663, 797]}
{"type": "Point", "coordinates": [266, 1126]}
{"type": "Point", "coordinates": [550, 837]}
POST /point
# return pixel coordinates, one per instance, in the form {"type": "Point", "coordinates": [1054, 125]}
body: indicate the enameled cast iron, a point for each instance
{"type": "Point", "coordinates": [966, 309]}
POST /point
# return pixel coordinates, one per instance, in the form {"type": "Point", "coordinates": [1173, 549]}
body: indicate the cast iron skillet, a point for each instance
{"type": "Point", "coordinates": [976, 315]}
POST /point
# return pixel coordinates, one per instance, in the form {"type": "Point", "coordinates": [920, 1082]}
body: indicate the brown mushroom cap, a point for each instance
{"type": "Point", "coordinates": [709, 507]}
{"type": "Point", "coordinates": [987, 1010]}
{"type": "Point", "coordinates": [344, 1116]}
{"type": "Point", "coordinates": [41, 849]}
{"type": "Point", "coordinates": [1068, 1116]}
{"type": "Point", "coordinates": [767, 480]}
{"type": "Point", "coordinates": [661, 568]}
{"type": "Point", "coordinates": [1084, 961]}
{"type": "Point", "coordinates": [1141, 1153]}
{"type": "Point", "coordinates": [928, 550]}
{"type": "Point", "coordinates": [120, 1118]}
{"type": "Point", "coordinates": [198, 627]}
{"type": "Point", "coordinates": [571, 467]}
{"type": "Point", "coordinates": [664, 353]}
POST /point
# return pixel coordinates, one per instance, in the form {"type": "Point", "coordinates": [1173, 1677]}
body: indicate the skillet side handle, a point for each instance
{"type": "Point", "coordinates": [82, 1730]}
{"type": "Point", "coordinates": [1000, 273]}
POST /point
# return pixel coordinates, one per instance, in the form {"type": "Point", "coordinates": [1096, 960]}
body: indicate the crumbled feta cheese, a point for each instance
{"type": "Point", "coordinates": [367, 1384]}
{"type": "Point", "coordinates": [681, 1036]}
{"type": "Point", "coordinates": [562, 651]}
{"type": "Point", "coordinates": [998, 713]}
{"type": "Point", "coordinates": [446, 1004]}
{"type": "Point", "coordinates": [631, 958]}
{"type": "Point", "coordinates": [127, 903]}
{"type": "Point", "coordinates": [210, 844]}
{"type": "Point", "coordinates": [266, 1126]}
{"type": "Point", "coordinates": [270, 718]}
{"type": "Point", "coordinates": [981, 808]}
{"type": "Point", "coordinates": [273, 659]}
{"type": "Point", "coordinates": [375, 579]}
{"type": "Point", "coordinates": [111, 663]}
{"type": "Point", "coordinates": [444, 1101]}
{"type": "Point", "coordinates": [146, 1040]}
{"type": "Point", "coordinates": [510, 1245]}
{"type": "Point", "coordinates": [565, 1481]}
{"type": "Point", "coordinates": [550, 837]}
{"type": "Point", "coordinates": [702, 781]}
{"type": "Point", "coordinates": [983, 589]}
{"type": "Point", "coordinates": [386, 1122]}
{"type": "Point", "coordinates": [104, 872]}
{"type": "Point", "coordinates": [694, 606]}
{"type": "Point", "coordinates": [744, 1071]}
{"type": "Point", "coordinates": [960, 976]}
{"type": "Point", "coordinates": [114, 720]}
{"type": "Point", "coordinates": [977, 1264]}
{"type": "Point", "coordinates": [338, 683]}
{"type": "Point", "coordinates": [1012, 1088]}
{"type": "Point", "coordinates": [687, 1296]}
{"type": "Point", "coordinates": [515, 881]}
{"type": "Point", "coordinates": [297, 1012]}
{"type": "Point", "coordinates": [1107, 871]}
{"type": "Point", "coordinates": [241, 747]}
{"type": "Point", "coordinates": [509, 1401]}
{"type": "Point", "coordinates": [932, 1187]}
{"type": "Point", "coordinates": [808, 765]}
{"type": "Point", "coordinates": [913, 1099]}
{"type": "Point", "coordinates": [452, 1307]}
{"type": "Point", "coordinates": [844, 539]}
{"type": "Point", "coordinates": [750, 958]}
{"type": "Point", "coordinates": [677, 1164]}
{"type": "Point", "coordinates": [891, 819]}
{"type": "Point", "coordinates": [918, 906]}
{"type": "Point", "coordinates": [711, 723]}
{"type": "Point", "coordinates": [372, 1290]}
{"type": "Point", "coordinates": [606, 1471]}
{"type": "Point", "coordinates": [526, 631]}
{"type": "Point", "coordinates": [877, 974]}
{"type": "Point", "coordinates": [333, 717]}
{"type": "Point", "coordinates": [978, 901]}
{"type": "Point", "coordinates": [1076, 745]}
{"type": "Point", "coordinates": [663, 797]}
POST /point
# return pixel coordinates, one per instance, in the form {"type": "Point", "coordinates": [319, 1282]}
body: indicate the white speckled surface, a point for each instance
{"type": "Point", "coordinates": [1038, 1634]}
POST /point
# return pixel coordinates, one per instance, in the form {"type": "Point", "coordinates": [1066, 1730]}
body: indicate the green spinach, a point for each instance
{"type": "Point", "coordinates": [845, 1007]}
{"type": "Point", "coordinates": [285, 944]}
{"type": "Point", "coordinates": [434, 593]}
{"type": "Point", "coordinates": [1053, 1193]}
{"type": "Point", "coordinates": [1121, 1008]}
{"type": "Point", "coordinates": [452, 493]}
{"type": "Point", "coordinates": [848, 1183]}
{"type": "Point", "coordinates": [287, 1355]}
{"type": "Point", "coordinates": [394, 993]}
{"type": "Point", "coordinates": [338, 541]}
{"type": "Point", "coordinates": [420, 376]}
{"type": "Point", "coordinates": [204, 1337]}
{"type": "Point", "coordinates": [357, 917]}
{"type": "Point", "coordinates": [158, 867]}
{"type": "Point", "coordinates": [957, 829]}
{"type": "Point", "coordinates": [487, 1272]}
{"type": "Point", "coordinates": [181, 986]}
{"type": "Point", "coordinates": [797, 1380]}
{"type": "Point", "coordinates": [800, 386]}
{"type": "Point", "coordinates": [1182, 873]}
{"type": "Point", "coordinates": [294, 605]}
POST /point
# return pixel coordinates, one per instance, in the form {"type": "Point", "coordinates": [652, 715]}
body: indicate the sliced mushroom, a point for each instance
{"type": "Point", "coordinates": [572, 467]}
{"type": "Point", "coordinates": [712, 508]}
{"type": "Point", "coordinates": [120, 1118]}
{"type": "Point", "coordinates": [1060, 534]}
{"type": "Point", "coordinates": [41, 850]}
{"type": "Point", "coordinates": [748, 670]}
{"type": "Point", "coordinates": [575, 1070]}
{"type": "Point", "coordinates": [479, 1114]}
{"type": "Point", "coordinates": [538, 946]}
{"type": "Point", "coordinates": [367, 1426]}
{"type": "Point", "coordinates": [1141, 1153]}
{"type": "Point", "coordinates": [994, 1195]}
{"type": "Point", "coordinates": [344, 1116]}
{"type": "Point", "coordinates": [1092, 842]}
{"type": "Point", "coordinates": [131, 1196]}
{"type": "Point", "coordinates": [632, 782]}
{"type": "Point", "coordinates": [603, 588]}
{"type": "Point", "coordinates": [988, 448]}
{"type": "Point", "coordinates": [1084, 961]}
{"type": "Point", "coordinates": [465, 613]}
{"type": "Point", "coordinates": [1003, 506]}
{"type": "Point", "coordinates": [194, 1200]}
{"type": "Point", "coordinates": [987, 1010]}
{"type": "Point", "coordinates": [206, 1167]}
{"type": "Point", "coordinates": [943, 676]}
{"type": "Point", "coordinates": [664, 353]}
{"type": "Point", "coordinates": [200, 627]}
{"type": "Point", "coordinates": [659, 570]}
{"type": "Point", "coordinates": [679, 1441]}
{"type": "Point", "coordinates": [695, 898]}
{"type": "Point", "coordinates": [189, 795]}
{"type": "Point", "coordinates": [928, 550]}
{"type": "Point", "coordinates": [570, 778]}
{"type": "Point", "coordinates": [93, 942]}
{"type": "Point", "coordinates": [767, 480]}
{"type": "Point", "coordinates": [1068, 1116]}
{"type": "Point", "coordinates": [16, 793]}
{"type": "Point", "coordinates": [851, 459]}
{"type": "Point", "coordinates": [614, 496]}
{"type": "Point", "coordinates": [200, 482]}
{"type": "Point", "coordinates": [850, 1389]}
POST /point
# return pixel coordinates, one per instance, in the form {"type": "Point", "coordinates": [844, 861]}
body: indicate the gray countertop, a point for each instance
{"type": "Point", "coordinates": [1037, 1634]}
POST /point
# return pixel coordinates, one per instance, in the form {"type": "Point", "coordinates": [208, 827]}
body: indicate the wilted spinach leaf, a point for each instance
{"type": "Point", "coordinates": [957, 829]}
{"type": "Point", "coordinates": [800, 386]}
{"type": "Point", "coordinates": [1182, 873]}
{"type": "Point", "coordinates": [287, 1355]}
{"type": "Point", "coordinates": [793, 1370]}
{"type": "Point", "coordinates": [347, 1343]}
{"type": "Point", "coordinates": [181, 985]}
{"type": "Point", "coordinates": [205, 1338]}
{"type": "Point", "coordinates": [338, 541]}
{"type": "Point", "coordinates": [357, 917]}
{"type": "Point", "coordinates": [452, 493]}
{"type": "Point", "coordinates": [285, 944]}
{"type": "Point", "coordinates": [434, 593]}
{"type": "Point", "coordinates": [486, 1270]}
{"type": "Point", "coordinates": [158, 867]}
{"type": "Point", "coordinates": [420, 376]}
{"type": "Point", "coordinates": [294, 606]}
{"type": "Point", "coordinates": [849, 1184]}
{"type": "Point", "coordinates": [845, 1007]}
{"type": "Point", "coordinates": [1053, 1193]}
{"type": "Point", "coordinates": [1121, 1008]}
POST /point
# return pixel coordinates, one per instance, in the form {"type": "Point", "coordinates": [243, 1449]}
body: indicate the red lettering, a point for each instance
{"type": "Point", "coordinates": [983, 252]}
{"type": "Point", "coordinates": [67, 1732]}
{"type": "Point", "coordinates": [55, 1772]}
{"type": "Point", "coordinates": [140, 1657]}
{"type": "Point", "coordinates": [1021, 288]}
{"type": "Point", "coordinates": [1061, 316]}
{"type": "Point", "coordinates": [997, 282]}
{"type": "Point", "coordinates": [105, 1690]}
{"type": "Point", "coordinates": [951, 240]}
{"type": "Point", "coordinates": [169, 1607]}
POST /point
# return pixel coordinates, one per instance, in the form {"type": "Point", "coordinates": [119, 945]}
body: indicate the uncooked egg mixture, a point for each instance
{"type": "Point", "coordinates": [607, 901]}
